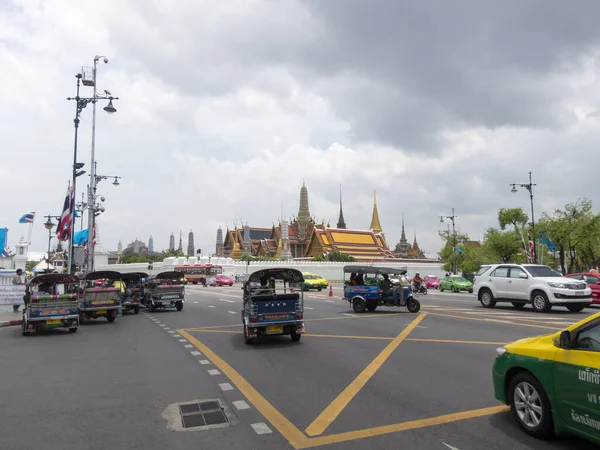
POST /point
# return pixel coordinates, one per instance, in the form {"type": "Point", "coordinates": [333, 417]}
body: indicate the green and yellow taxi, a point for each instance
{"type": "Point", "coordinates": [455, 283]}
{"type": "Point", "coordinates": [552, 382]}
{"type": "Point", "coordinates": [313, 281]}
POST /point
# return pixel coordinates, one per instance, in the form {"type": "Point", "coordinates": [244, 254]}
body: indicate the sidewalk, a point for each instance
{"type": "Point", "coordinates": [8, 318]}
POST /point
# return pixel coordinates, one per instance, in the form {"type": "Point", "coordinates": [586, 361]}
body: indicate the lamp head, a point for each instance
{"type": "Point", "coordinates": [116, 182]}
{"type": "Point", "coordinates": [110, 107]}
{"type": "Point", "coordinates": [102, 198]}
{"type": "Point", "coordinates": [441, 219]}
{"type": "Point", "coordinates": [49, 224]}
{"type": "Point", "coordinates": [514, 189]}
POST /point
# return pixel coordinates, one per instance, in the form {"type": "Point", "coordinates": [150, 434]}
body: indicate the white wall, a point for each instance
{"type": "Point", "coordinates": [328, 270]}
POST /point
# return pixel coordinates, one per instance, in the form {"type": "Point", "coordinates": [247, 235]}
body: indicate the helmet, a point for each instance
{"type": "Point", "coordinates": [417, 273]}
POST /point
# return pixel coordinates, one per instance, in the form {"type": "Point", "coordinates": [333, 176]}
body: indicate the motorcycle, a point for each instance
{"type": "Point", "coordinates": [421, 288]}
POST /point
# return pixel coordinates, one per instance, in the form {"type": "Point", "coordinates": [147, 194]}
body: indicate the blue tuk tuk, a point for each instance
{"type": "Point", "coordinates": [273, 304]}
{"type": "Point", "coordinates": [101, 295]}
{"type": "Point", "coordinates": [51, 302]}
{"type": "Point", "coordinates": [370, 287]}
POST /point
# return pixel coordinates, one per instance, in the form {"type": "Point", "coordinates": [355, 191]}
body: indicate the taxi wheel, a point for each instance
{"type": "Point", "coordinates": [530, 405]}
{"type": "Point", "coordinates": [486, 298]}
{"type": "Point", "coordinates": [319, 289]}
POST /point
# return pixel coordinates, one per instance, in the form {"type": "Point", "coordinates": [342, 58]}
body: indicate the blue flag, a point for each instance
{"type": "Point", "coordinates": [4, 242]}
{"type": "Point", "coordinates": [545, 240]}
{"type": "Point", "coordinates": [80, 237]}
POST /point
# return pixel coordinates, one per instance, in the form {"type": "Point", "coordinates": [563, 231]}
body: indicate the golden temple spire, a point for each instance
{"type": "Point", "coordinates": [375, 225]}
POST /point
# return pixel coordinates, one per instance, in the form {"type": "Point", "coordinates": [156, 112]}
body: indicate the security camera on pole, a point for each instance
{"type": "Point", "coordinates": [91, 81]}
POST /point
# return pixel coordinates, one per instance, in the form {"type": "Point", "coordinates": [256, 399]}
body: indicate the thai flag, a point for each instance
{"type": "Point", "coordinates": [27, 218]}
{"type": "Point", "coordinates": [64, 226]}
{"type": "Point", "coordinates": [531, 248]}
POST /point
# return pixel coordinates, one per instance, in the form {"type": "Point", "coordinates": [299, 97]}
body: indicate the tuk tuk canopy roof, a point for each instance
{"type": "Point", "coordinates": [278, 273]}
{"type": "Point", "coordinates": [61, 278]}
{"type": "Point", "coordinates": [110, 274]}
{"type": "Point", "coordinates": [375, 270]}
{"type": "Point", "coordinates": [142, 274]}
{"type": "Point", "coordinates": [132, 276]}
{"type": "Point", "coordinates": [168, 275]}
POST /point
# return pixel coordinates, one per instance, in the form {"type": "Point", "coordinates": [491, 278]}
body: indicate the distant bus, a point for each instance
{"type": "Point", "coordinates": [199, 273]}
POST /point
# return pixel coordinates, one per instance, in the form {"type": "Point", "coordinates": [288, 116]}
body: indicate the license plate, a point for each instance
{"type": "Point", "coordinates": [52, 322]}
{"type": "Point", "coordinates": [275, 329]}
{"type": "Point", "coordinates": [101, 311]}
{"type": "Point", "coordinates": [579, 292]}
{"type": "Point", "coordinates": [166, 297]}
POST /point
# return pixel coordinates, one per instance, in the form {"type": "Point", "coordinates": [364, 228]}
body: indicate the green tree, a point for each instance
{"type": "Point", "coordinates": [512, 216]}
{"type": "Point", "coordinates": [337, 256]}
{"type": "Point", "coordinates": [503, 246]}
{"type": "Point", "coordinates": [246, 256]}
{"type": "Point", "coordinates": [447, 255]}
{"type": "Point", "coordinates": [319, 258]}
{"type": "Point", "coordinates": [29, 265]}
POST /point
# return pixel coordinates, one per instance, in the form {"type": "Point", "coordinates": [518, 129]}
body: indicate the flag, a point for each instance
{"type": "Point", "coordinates": [531, 248]}
{"type": "Point", "coordinates": [4, 242]}
{"type": "Point", "coordinates": [80, 237]}
{"type": "Point", "coordinates": [27, 218]}
{"type": "Point", "coordinates": [64, 225]}
{"type": "Point", "coordinates": [545, 240]}
{"type": "Point", "coordinates": [459, 250]}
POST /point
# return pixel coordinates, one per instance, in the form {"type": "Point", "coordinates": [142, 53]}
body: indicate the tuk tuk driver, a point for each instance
{"type": "Point", "coordinates": [386, 286]}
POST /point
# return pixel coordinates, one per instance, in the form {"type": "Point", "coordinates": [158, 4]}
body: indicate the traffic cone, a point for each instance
{"type": "Point", "coordinates": [330, 291]}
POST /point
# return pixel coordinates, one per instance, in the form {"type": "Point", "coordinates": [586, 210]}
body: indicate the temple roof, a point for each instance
{"type": "Point", "coordinates": [375, 224]}
{"type": "Point", "coordinates": [358, 243]}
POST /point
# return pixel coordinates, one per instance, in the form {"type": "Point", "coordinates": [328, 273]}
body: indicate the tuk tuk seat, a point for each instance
{"type": "Point", "coordinates": [290, 296]}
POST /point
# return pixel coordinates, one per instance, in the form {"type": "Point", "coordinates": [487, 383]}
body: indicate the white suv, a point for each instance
{"type": "Point", "coordinates": [539, 285]}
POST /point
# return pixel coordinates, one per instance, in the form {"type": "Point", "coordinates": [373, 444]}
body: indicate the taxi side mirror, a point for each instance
{"type": "Point", "coordinates": [564, 341]}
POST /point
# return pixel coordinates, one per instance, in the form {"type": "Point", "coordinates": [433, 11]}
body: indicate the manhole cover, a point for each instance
{"type": "Point", "coordinates": [198, 415]}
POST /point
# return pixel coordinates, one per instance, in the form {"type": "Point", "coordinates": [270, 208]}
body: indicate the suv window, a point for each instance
{"type": "Point", "coordinates": [589, 338]}
{"type": "Point", "coordinates": [515, 271]}
{"type": "Point", "coordinates": [500, 272]}
{"type": "Point", "coordinates": [542, 271]}
{"type": "Point", "coordinates": [482, 270]}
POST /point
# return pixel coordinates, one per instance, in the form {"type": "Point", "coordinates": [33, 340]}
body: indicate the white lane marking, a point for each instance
{"type": "Point", "coordinates": [241, 405]}
{"type": "Point", "coordinates": [213, 372]}
{"type": "Point", "coordinates": [182, 340]}
{"type": "Point", "coordinates": [231, 312]}
{"type": "Point", "coordinates": [188, 346]}
{"type": "Point", "coordinates": [167, 328]}
{"type": "Point", "coordinates": [156, 321]}
{"type": "Point", "coordinates": [196, 353]}
{"type": "Point", "coordinates": [162, 325]}
{"type": "Point", "coordinates": [204, 361]}
{"type": "Point", "coordinates": [450, 446]}
{"type": "Point", "coordinates": [172, 332]}
{"type": "Point", "coordinates": [226, 387]}
{"type": "Point", "coordinates": [349, 315]}
{"type": "Point", "coordinates": [211, 306]}
{"type": "Point", "coordinates": [261, 428]}
{"type": "Point", "coordinates": [224, 300]}
{"type": "Point", "coordinates": [195, 302]}
{"type": "Point", "coordinates": [176, 335]}
{"type": "Point", "coordinates": [308, 307]}
{"type": "Point", "coordinates": [329, 301]}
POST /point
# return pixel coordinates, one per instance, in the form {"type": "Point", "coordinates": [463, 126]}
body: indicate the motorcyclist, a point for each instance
{"type": "Point", "coordinates": [417, 281]}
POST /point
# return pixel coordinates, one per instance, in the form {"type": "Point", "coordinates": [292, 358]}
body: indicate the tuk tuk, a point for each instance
{"type": "Point", "coordinates": [134, 290]}
{"type": "Point", "coordinates": [370, 287]}
{"type": "Point", "coordinates": [51, 302]}
{"type": "Point", "coordinates": [165, 290]}
{"type": "Point", "coordinates": [273, 304]}
{"type": "Point", "coordinates": [101, 298]}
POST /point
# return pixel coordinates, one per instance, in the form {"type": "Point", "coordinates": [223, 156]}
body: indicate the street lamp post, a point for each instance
{"type": "Point", "coordinates": [93, 178]}
{"type": "Point", "coordinates": [452, 217]}
{"type": "Point", "coordinates": [49, 225]}
{"type": "Point", "coordinates": [529, 187]}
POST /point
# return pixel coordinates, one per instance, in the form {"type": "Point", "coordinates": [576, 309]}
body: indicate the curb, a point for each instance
{"type": "Point", "coordinates": [11, 323]}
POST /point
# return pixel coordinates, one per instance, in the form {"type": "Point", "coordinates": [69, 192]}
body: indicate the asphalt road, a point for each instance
{"type": "Point", "coordinates": [388, 379]}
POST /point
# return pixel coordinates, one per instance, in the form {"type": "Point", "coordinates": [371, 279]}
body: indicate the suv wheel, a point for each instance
{"type": "Point", "coordinates": [540, 302]}
{"type": "Point", "coordinates": [486, 298]}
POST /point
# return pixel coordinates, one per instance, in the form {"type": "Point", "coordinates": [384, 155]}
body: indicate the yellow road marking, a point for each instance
{"type": "Point", "coordinates": [529, 325]}
{"type": "Point", "coordinates": [278, 420]}
{"type": "Point", "coordinates": [340, 336]}
{"type": "Point", "coordinates": [320, 424]}
{"type": "Point", "coordinates": [387, 429]}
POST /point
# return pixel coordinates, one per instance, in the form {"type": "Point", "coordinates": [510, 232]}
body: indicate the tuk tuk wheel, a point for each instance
{"type": "Point", "coordinates": [179, 305]}
{"type": "Point", "coordinates": [372, 305]}
{"type": "Point", "coordinates": [151, 307]}
{"type": "Point", "coordinates": [249, 341]}
{"type": "Point", "coordinates": [73, 330]}
{"type": "Point", "coordinates": [24, 328]}
{"type": "Point", "coordinates": [414, 306]}
{"type": "Point", "coordinates": [358, 305]}
{"type": "Point", "coordinates": [111, 316]}
{"type": "Point", "coordinates": [136, 309]}
{"type": "Point", "coordinates": [81, 318]}
{"type": "Point", "coordinates": [295, 336]}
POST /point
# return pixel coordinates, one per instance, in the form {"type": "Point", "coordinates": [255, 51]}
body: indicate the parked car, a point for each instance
{"type": "Point", "coordinates": [313, 281]}
{"type": "Point", "coordinates": [551, 382]}
{"type": "Point", "coordinates": [432, 282]}
{"type": "Point", "coordinates": [593, 281]}
{"type": "Point", "coordinates": [455, 283]}
{"type": "Point", "coordinates": [539, 285]}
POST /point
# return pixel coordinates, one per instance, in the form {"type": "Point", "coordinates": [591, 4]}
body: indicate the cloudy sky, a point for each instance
{"type": "Point", "coordinates": [227, 105]}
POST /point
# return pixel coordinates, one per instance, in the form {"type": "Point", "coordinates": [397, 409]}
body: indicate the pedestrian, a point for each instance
{"type": "Point", "coordinates": [17, 279]}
